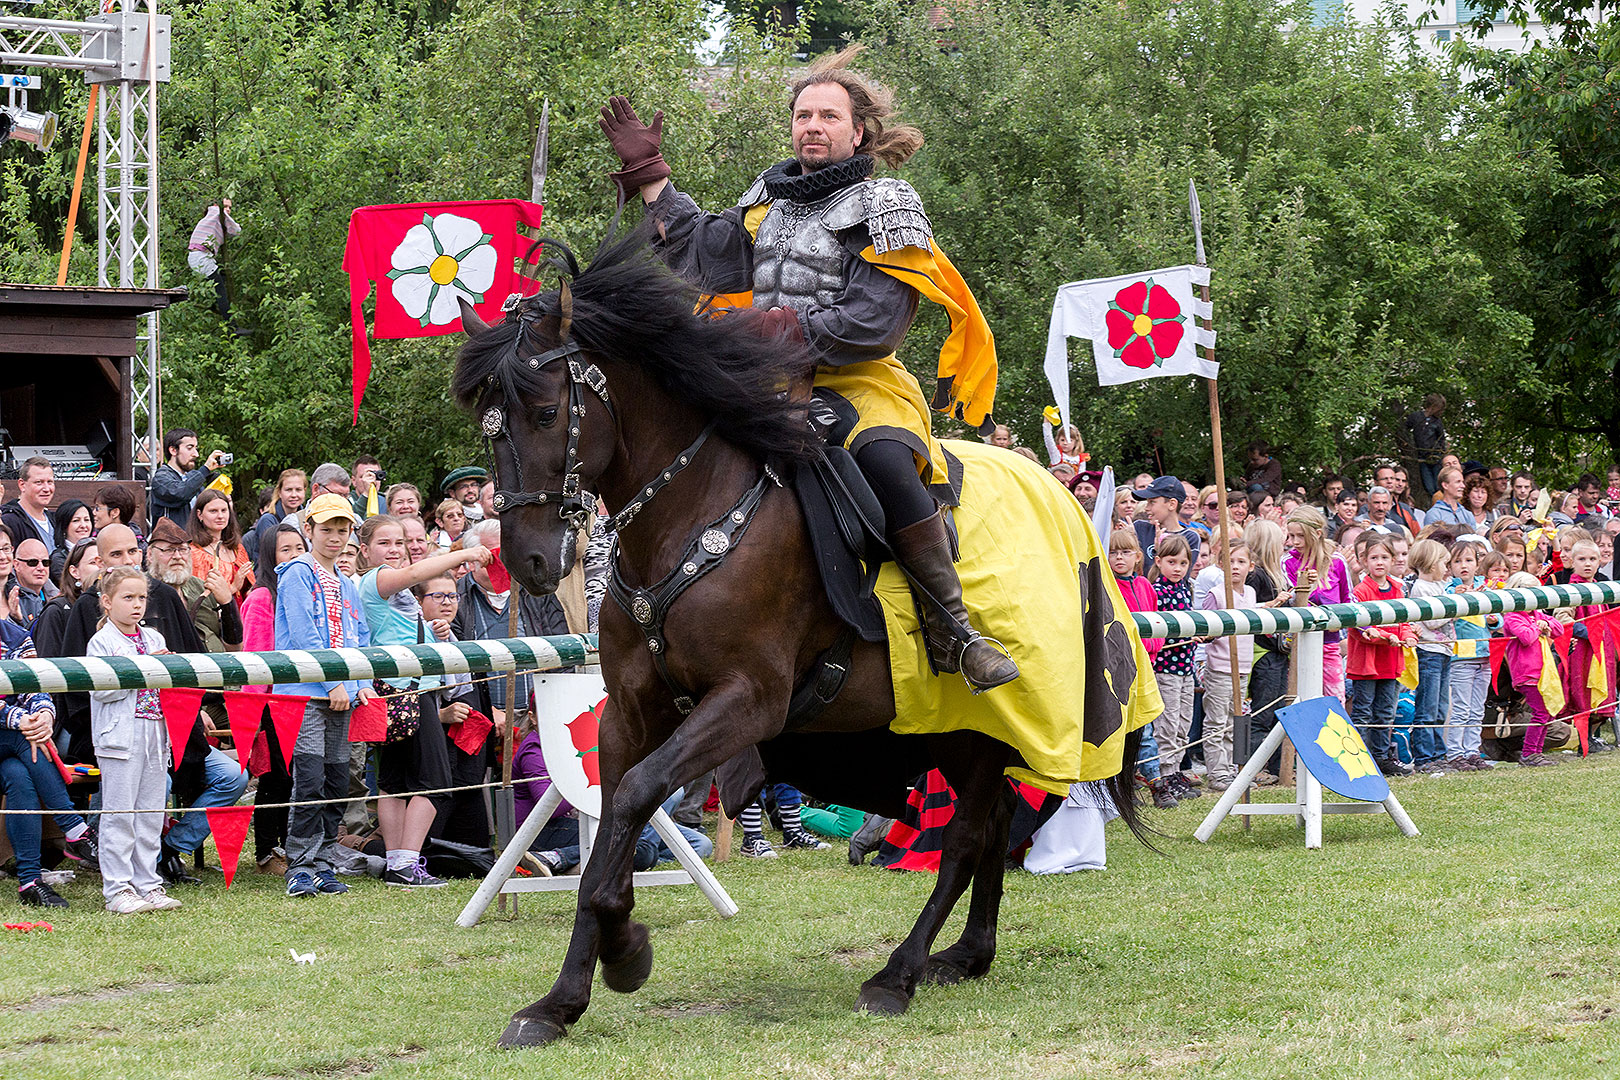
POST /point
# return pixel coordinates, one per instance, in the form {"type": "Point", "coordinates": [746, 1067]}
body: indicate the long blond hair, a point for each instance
{"type": "Point", "coordinates": [1265, 540]}
{"type": "Point", "coordinates": [1316, 551]}
{"type": "Point", "coordinates": [871, 103]}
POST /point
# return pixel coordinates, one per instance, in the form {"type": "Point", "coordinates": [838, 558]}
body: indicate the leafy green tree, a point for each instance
{"type": "Point", "coordinates": [1361, 217]}
{"type": "Point", "coordinates": [1563, 99]}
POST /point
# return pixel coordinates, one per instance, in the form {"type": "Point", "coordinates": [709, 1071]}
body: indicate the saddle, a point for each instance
{"type": "Point", "coordinates": [845, 520]}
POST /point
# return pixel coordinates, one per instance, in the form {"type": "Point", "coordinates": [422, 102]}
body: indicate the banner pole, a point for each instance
{"type": "Point", "coordinates": [1197, 215]}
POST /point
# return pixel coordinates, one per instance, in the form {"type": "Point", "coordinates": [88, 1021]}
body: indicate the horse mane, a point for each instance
{"type": "Point", "coordinates": [628, 306]}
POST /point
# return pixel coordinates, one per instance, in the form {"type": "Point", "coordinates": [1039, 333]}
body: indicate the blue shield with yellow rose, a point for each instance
{"type": "Point", "coordinates": [1332, 749]}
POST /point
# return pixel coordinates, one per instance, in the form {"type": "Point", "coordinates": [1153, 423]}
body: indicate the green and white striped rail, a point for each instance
{"type": "Point", "coordinates": [226, 670]}
{"type": "Point", "coordinates": [1287, 620]}
{"type": "Point", "coordinates": [223, 670]}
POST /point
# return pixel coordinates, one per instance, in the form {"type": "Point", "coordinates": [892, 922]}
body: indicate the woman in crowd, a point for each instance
{"type": "Point", "coordinates": [291, 489]}
{"type": "Point", "coordinates": [1262, 507]}
{"type": "Point", "coordinates": [72, 522]}
{"type": "Point", "coordinates": [1477, 500]}
{"type": "Point", "coordinates": [282, 544]}
{"type": "Point", "coordinates": [414, 758]}
{"type": "Point", "coordinates": [1311, 560]}
{"type": "Point", "coordinates": [115, 505]}
{"type": "Point", "coordinates": [451, 517]}
{"type": "Point", "coordinates": [78, 573]}
{"type": "Point", "coordinates": [404, 500]}
{"type": "Point", "coordinates": [216, 542]}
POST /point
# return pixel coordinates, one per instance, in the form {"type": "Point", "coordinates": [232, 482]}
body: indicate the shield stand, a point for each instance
{"type": "Point", "coordinates": [1307, 808]}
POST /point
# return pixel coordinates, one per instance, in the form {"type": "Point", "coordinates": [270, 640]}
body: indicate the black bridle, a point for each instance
{"type": "Point", "coordinates": [582, 376]}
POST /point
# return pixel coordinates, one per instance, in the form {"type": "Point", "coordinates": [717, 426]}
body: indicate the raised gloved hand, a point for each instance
{"type": "Point", "coordinates": [635, 143]}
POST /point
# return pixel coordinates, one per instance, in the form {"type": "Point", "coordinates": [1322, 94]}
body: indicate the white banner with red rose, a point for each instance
{"type": "Point", "coordinates": [1141, 326]}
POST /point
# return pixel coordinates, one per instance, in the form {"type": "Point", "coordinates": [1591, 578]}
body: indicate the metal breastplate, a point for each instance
{"type": "Point", "coordinates": [798, 261]}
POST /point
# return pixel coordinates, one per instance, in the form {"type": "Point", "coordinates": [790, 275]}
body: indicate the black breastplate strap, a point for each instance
{"type": "Point", "coordinates": [649, 607]}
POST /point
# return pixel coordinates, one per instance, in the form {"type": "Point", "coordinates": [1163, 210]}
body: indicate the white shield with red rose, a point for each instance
{"type": "Point", "coordinates": [568, 710]}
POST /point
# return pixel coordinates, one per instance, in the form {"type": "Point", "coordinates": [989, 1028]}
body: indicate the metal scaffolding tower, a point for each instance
{"type": "Point", "coordinates": [125, 51]}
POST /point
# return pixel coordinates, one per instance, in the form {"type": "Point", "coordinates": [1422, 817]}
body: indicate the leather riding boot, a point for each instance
{"type": "Point", "coordinates": [923, 551]}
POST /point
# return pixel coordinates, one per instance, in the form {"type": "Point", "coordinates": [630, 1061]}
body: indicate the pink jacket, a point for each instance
{"type": "Point", "coordinates": [1139, 596]}
{"type": "Point", "coordinates": [258, 626]}
{"type": "Point", "coordinates": [1523, 629]}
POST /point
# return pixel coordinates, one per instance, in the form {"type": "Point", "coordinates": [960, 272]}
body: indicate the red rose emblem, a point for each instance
{"type": "Point", "coordinates": [1144, 324]}
{"type": "Point", "coordinates": [583, 731]}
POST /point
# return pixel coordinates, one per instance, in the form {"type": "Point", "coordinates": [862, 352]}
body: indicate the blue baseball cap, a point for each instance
{"type": "Point", "coordinates": [1165, 487]}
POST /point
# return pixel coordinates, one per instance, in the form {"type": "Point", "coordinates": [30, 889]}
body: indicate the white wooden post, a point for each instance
{"type": "Point", "coordinates": [1308, 647]}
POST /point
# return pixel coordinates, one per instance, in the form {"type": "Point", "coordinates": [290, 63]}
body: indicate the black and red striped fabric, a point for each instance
{"type": "Point", "coordinates": [917, 837]}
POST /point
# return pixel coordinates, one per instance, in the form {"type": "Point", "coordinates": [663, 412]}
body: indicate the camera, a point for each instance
{"type": "Point", "coordinates": [225, 458]}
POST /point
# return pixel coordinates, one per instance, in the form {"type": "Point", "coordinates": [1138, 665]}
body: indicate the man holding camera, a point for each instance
{"type": "Point", "coordinates": [177, 482]}
{"type": "Point", "coordinates": [366, 487]}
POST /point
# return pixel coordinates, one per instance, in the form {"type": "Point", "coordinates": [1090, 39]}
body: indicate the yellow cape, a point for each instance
{"type": "Point", "coordinates": [1085, 679]}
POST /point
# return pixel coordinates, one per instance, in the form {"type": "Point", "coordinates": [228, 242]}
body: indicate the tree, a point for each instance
{"type": "Point", "coordinates": [1362, 217]}
{"type": "Point", "coordinates": [1563, 98]}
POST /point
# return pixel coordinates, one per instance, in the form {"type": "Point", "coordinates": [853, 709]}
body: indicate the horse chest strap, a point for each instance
{"type": "Point", "coordinates": [649, 607]}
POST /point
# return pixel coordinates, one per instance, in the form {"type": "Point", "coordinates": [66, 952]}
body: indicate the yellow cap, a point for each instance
{"type": "Point", "coordinates": [327, 506]}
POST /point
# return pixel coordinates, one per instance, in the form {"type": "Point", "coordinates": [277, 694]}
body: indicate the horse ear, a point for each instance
{"type": "Point", "coordinates": [470, 319]}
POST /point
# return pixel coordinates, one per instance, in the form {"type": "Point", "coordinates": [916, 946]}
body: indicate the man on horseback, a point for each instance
{"type": "Point", "coordinates": [839, 261]}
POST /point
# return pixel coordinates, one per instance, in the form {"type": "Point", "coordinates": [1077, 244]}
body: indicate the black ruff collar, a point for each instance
{"type": "Point", "coordinates": [788, 180]}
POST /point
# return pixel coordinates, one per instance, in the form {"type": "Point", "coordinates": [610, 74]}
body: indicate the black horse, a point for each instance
{"type": "Point", "coordinates": [619, 384]}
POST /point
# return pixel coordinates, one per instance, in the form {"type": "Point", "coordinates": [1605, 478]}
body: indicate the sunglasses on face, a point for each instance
{"type": "Point", "coordinates": [34, 562]}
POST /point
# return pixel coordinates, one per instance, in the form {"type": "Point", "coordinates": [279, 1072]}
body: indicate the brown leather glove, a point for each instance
{"type": "Point", "coordinates": [636, 145]}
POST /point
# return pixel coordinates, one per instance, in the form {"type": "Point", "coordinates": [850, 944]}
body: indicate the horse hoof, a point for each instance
{"type": "Point", "coordinates": [524, 1031]}
{"type": "Point", "coordinates": [942, 973]}
{"type": "Point", "coordinates": [626, 976]}
{"type": "Point", "coordinates": [881, 1001]}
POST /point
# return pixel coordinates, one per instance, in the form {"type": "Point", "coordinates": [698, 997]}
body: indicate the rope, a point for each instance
{"type": "Point", "coordinates": [165, 809]}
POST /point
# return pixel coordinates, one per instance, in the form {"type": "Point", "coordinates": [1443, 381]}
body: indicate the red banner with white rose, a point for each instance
{"type": "Point", "coordinates": [423, 258]}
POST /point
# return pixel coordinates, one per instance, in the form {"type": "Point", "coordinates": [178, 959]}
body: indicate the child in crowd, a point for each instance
{"type": "Point", "coordinates": [1377, 655]}
{"type": "Point", "coordinates": [1470, 667]}
{"type": "Point", "coordinates": [1493, 569]}
{"type": "Point", "coordinates": [1067, 448]}
{"type": "Point", "coordinates": [1436, 640]}
{"type": "Point", "coordinates": [1591, 645]}
{"type": "Point", "coordinates": [132, 748]}
{"type": "Point", "coordinates": [1311, 560]}
{"type": "Point", "coordinates": [318, 607]}
{"type": "Point", "coordinates": [1125, 559]}
{"type": "Point", "coordinates": [1220, 704]}
{"type": "Point", "coordinates": [1526, 631]}
{"type": "Point", "coordinates": [1173, 666]}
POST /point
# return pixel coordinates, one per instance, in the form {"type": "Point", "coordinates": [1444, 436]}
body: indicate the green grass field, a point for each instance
{"type": "Point", "coordinates": [1484, 948]}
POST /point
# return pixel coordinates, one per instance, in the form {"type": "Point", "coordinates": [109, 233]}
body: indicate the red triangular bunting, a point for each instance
{"type": "Point", "coordinates": [369, 722]}
{"type": "Point", "coordinates": [230, 827]}
{"type": "Point", "coordinates": [246, 711]}
{"type": "Point", "coordinates": [1582, 723]}
{"type": "Point", "coordinates": [287, 714]}
{"type": "Point", "coordinates": [1498, 651]}
{"type": "Point", "coordinates": [180, 705]}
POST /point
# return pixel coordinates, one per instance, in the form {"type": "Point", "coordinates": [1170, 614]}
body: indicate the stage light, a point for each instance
{"type": "Point", "coordinates": [28, 127]}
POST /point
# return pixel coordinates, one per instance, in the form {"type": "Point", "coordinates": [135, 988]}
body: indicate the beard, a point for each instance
{"type": "Point", "coordinates": [170, 575]}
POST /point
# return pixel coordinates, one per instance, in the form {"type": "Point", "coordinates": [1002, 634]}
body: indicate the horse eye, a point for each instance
{"type": "Point", "coordinates": [547, 417]}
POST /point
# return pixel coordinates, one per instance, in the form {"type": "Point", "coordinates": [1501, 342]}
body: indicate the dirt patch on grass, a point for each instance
{"type": "Point", "coordinates": [1589, 1013]}
{"type": "Point", "coordinates": [355, 1066]}
{"type": "Point", "coordinates": [858, 956]}
{"type": "Point", "coordinates": [47, 1002]}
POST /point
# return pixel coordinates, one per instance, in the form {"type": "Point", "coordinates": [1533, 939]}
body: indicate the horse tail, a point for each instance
{"type": "Point", "coordinates": [1122, 789]}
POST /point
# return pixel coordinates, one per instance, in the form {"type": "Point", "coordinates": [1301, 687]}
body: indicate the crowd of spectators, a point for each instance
{"type": "Point", "coordinates": [1423, 695]}
{"type": "Point", "coordinates": [335, 557]}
